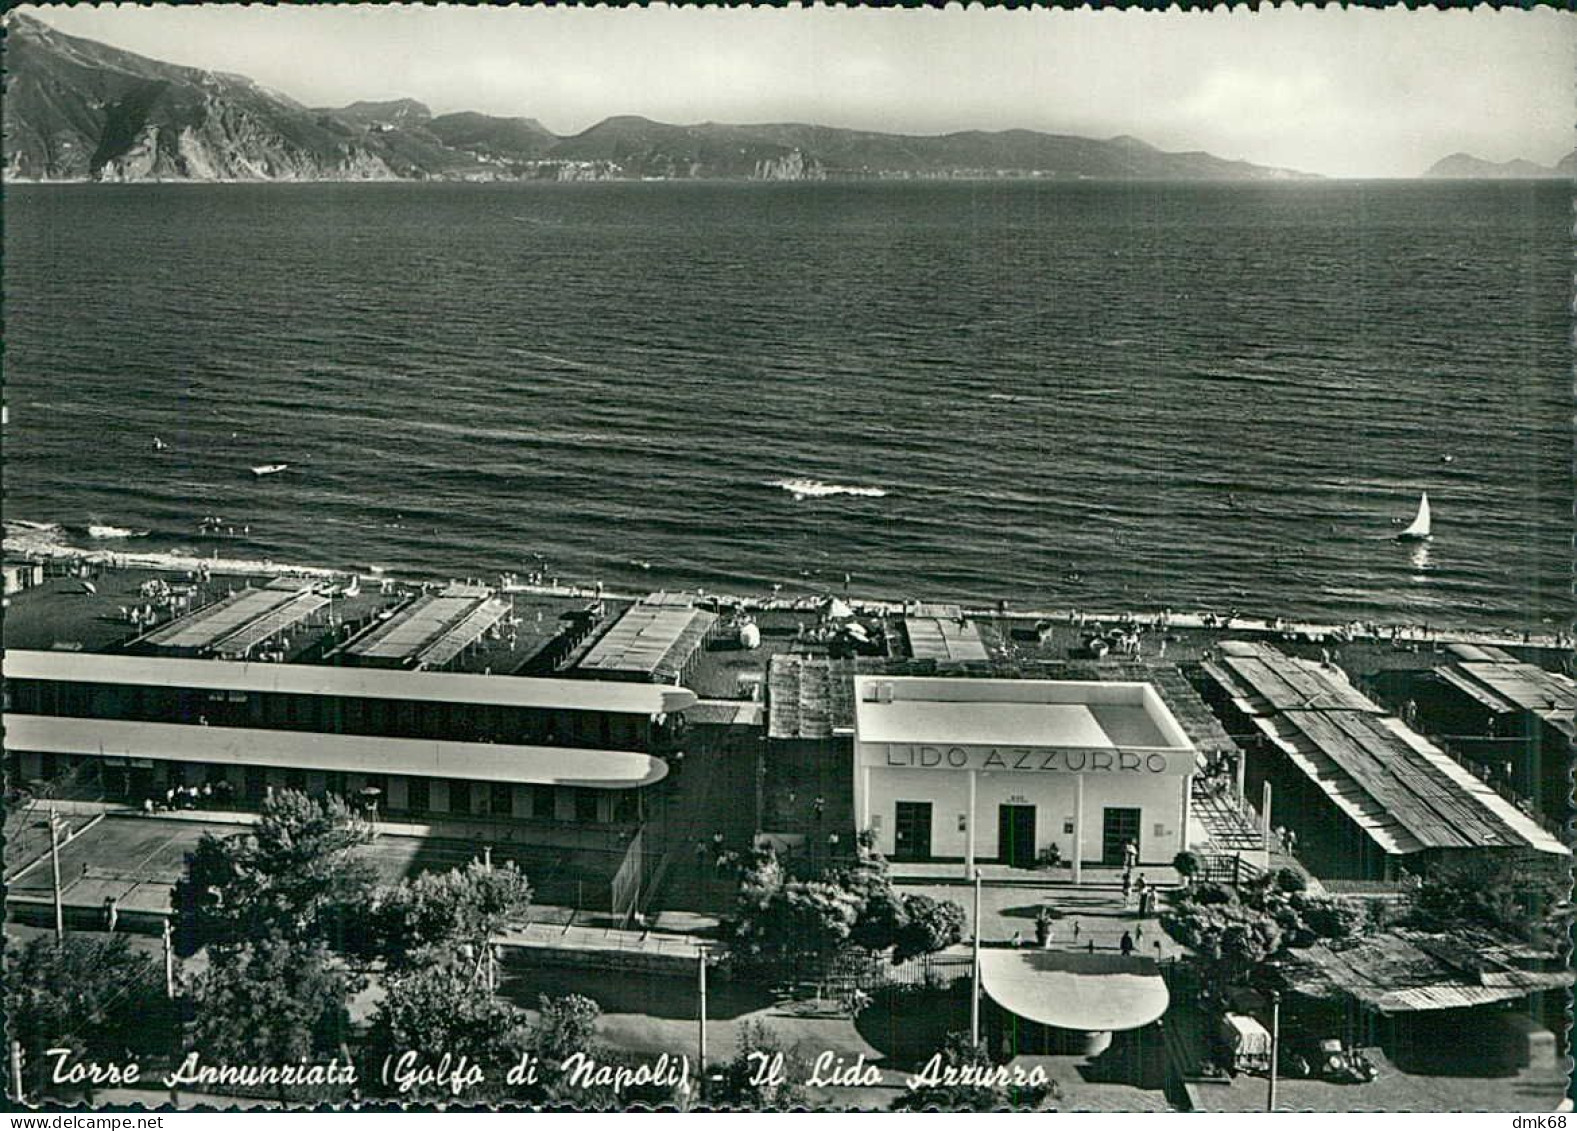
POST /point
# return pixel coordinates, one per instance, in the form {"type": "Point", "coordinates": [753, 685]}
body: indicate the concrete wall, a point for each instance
{"type": "Point", "coordinates": [1159, 799]}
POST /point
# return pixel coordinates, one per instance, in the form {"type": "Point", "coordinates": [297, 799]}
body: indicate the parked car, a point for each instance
{"type": "Point", "coordinates": [1326, 1059]}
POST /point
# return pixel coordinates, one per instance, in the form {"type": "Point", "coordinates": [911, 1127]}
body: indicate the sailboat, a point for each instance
{"type": "Point", "coordinates": [1419, 530]}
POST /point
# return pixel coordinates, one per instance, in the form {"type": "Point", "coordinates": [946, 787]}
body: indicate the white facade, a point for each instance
{"type": "Point", "coordinates": [976, 771]}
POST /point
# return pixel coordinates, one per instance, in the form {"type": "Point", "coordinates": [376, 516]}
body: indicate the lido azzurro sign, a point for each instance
{"type": "Point", "coordinates": [1061, 759]}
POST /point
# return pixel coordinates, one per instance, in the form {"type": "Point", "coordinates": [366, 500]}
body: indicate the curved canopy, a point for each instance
{"type": "Point", "coordinates": [340, 753]}
{"type": "Point", "coordinates": [1090, 993]}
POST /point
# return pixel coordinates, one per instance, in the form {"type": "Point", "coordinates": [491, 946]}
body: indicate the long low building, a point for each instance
{"type": "Point", "coordinates": [398, 704]}
{"type": "Point", "coordinates": [152, 723]}
{"type": "Point", "coordinates": [411, 776]}
{"type": "Point", "coordinates": [1364, 793]}
{"type": "Point", "coordinates": [1005, 769]}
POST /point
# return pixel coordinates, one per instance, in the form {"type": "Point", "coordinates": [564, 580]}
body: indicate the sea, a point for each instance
{"type": "Point", "coordinates": [1058, 395]}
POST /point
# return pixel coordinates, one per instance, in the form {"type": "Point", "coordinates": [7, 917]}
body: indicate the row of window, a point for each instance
{"type": "Point", "coordinates": [334, 714]}
{"type": "Point", "coordinates": [414, 797]}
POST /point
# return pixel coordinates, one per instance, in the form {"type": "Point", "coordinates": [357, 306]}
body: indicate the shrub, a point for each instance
{"type": "Point", "coordinates": [1290, 880]}
{"type": "Point", "coordinates": [1213, 894]}
{"type": "Point", "coordinates": [1331, 917]}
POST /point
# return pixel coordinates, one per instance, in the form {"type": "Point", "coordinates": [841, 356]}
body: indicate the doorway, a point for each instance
{"type": "Point", "coordinates": [912, 830]}
{"type": "Point", "coordinates": [1016, 835]}
{"type": "Point", "coordinates": [1117, 828]}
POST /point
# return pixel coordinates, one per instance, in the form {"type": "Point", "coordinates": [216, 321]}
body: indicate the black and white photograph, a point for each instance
{"type": "Point", "coordinates": [787, 559]}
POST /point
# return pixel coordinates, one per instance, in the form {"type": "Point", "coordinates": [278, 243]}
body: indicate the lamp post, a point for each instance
{"type": "Point", "coordinates": [974, 996]}
{"type": "Point", "coordinates": [54, 865]}
{"type": "Point", "coordinates": [1275, 1048]}
{"type": "Point", "coordinates": [700, 1068]}
{"type": "Point", "coordinates": [169, 961]}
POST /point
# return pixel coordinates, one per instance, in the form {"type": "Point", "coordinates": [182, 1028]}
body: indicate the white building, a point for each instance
{"type": "Point", "coordinates": [985, 770]}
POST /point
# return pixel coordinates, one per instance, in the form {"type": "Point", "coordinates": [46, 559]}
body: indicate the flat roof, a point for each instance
{"type": "Point", "coordinates": [1014, 712]}
{"type": "Point", "coordinates": [1198, 721]}
{"type": "Point", "coordinates": [426, 622]}
{"type": "Point", "coordinates": [1090, 993]}
{"type": "Point", "coordinates": [933, 638]}
{"type": "Point", "coordinates": [233, 615]}
{"type": "Point", "coordinates": [360, 683]}
{"type": "Point", "coordinates": [1398, 788]}
{"type": "Point", "coordinates": [653, 640]}
{"type": "Point", "coordinates": [306, 750]}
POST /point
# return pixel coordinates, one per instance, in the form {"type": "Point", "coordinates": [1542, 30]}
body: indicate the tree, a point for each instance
{"type": "Point", "coordinates": [929, 925]}
{"type": "Point", "coordinates": [1228, 939]}
{"type": "Point", "coordinates": [1523, 899]}
{"type": "Point", "coordinates": [463, 907]}
{"type": "Point", "coordinates": [850, 909]}
{"type": "Point", "coordinates": [95, 996]}
{"type": "Point", "coordinates": [961, 1077]}
{"type": "Point", "coordinates": [271, 1001]}
{"type": "Point", "coordinates": [446, 1008]}
{"type": "Point", "coordinates": [764, 1074]}
{"type": "Point", "coordinates": [1187, 865]}
{"type": "Point", "coordinates": [565, 1025]}
{"type": "Point", "coordinates": [293, 873]}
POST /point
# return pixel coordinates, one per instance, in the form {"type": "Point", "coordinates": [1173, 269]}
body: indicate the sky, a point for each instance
{"type": "Point", "coordinates": [1354, 93]}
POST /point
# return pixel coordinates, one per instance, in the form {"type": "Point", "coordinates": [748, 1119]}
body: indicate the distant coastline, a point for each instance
{"type": "Point", "coordinates": [77, 109]}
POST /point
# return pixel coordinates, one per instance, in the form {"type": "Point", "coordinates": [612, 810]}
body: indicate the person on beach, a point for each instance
{"type": "Point", "coordinates": [1126, 944]}
{"type": "Point", "coordinates": [1130, 854]}
{"type": "Point", "coordinates": [1127, 886]}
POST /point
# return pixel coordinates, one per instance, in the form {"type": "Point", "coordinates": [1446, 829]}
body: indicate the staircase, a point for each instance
{"type": "Point", "coordinates": [1227, 827]}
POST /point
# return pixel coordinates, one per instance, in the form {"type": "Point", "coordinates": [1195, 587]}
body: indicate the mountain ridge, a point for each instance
{"type": "Point", "coordinates": [1467, 166]}
{"type": "Point", "coordinates": [76, 109]}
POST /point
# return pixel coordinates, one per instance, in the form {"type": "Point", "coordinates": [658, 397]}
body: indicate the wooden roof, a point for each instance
{"type": "Point", "coordinates": [1278, 682]}
{"type": "Point", "coordinates": [1525, 685]}
{"type": "Point", "coordinates": [809, 697]}
{"type": "Point", "coordinates": [1398, 788]}
{"type": "Point", "coordinates": [1507, 685]}
{"type": "Point", "coordinates": [1405, 971]}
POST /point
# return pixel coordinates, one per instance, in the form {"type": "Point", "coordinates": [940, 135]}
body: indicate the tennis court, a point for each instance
{"type": "Point", "coordinates": [133, 860]}
{"type": "Point", "coordinates": [136, 860]}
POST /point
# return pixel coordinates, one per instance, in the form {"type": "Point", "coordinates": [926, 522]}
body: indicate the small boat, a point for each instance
{"type": "Point", "coordinates": [159, 445]}
{"type": "Point", "coordinates": [263, 469]}
{"type": "Point", "coordinates": [1419, 530]}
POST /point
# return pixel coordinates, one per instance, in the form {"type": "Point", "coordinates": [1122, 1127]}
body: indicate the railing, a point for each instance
{"type": "Point", "coordinates": [1221, 869]}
